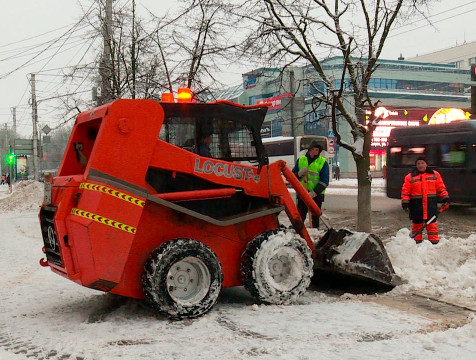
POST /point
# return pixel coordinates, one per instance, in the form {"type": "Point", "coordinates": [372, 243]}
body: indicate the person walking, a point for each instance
{"type": "Point", "coordinates": [420, 192]}
{"type": "Point", "coordinates": [9, 183]}
{"type": "Point", "coordinates": [313, 171]}
{"type": "Point", "coordinates": [337, 172]}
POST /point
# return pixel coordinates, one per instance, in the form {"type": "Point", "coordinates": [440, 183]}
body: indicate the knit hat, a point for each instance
{"type": "Point", "coordinates": [421, 158]}
{"type": "Point", "coordinates": [315, 144]}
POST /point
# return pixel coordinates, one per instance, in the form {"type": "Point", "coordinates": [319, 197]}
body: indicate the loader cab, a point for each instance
{"type": "Point", "coordinates": [219, 130]}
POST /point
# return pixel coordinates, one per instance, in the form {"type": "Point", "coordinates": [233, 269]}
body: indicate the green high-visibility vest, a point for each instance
{"type": "Point", "coordinates": [314, 170]}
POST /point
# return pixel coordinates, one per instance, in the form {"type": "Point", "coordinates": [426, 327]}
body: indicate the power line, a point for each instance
{"type": "Point", "coordinates": [30, 48]}
{"type": "Point", "coordinates": [36, 36]}
{"type": "Point", "coordinates": [437, 14]}
{"type": "Point", "coordinates": [71, 29]}
{"type": "Point", "coordinates": [435, 22]}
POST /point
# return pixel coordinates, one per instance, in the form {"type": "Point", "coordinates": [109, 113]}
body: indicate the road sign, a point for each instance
{"type": "Point", "coordinates": [46, 129]}
{"type": "Point", "coordinates": [24, 146]}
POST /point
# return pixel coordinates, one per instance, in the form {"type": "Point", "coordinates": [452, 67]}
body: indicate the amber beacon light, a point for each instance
{"type": "Point", "coordinates": [184, 95]}
{"type": "Point", "coordinates": [168, 97]}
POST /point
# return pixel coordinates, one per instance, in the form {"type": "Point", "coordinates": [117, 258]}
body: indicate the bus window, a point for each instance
{"type": "Point", "coordinates": [410, 154]}
{"type": "Point", "coordinates": [453, 155]}
{"type": "Point", "coordinates": [473, 156]}
{"type": "Point", "coordinates": [432, 155]}
{"type": "Point", "coordinates": [395, 156]}
{"type": "Point", "coordinates": [279, 149]}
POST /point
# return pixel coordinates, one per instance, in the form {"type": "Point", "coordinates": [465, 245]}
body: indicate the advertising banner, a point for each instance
{"type": "Point", "coordinates": [22, 169]}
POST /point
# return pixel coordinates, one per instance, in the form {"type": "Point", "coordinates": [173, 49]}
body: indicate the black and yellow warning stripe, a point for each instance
{"type": "Point", "coordinates": [103, 220]}
{"type": "Point", "coordinates": [112, 192]}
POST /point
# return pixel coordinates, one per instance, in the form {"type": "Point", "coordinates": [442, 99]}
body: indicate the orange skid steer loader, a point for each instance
{"type": "Point", "coordinates": [154, 200]}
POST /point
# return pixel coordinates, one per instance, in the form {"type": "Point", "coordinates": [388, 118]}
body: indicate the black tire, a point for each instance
{"type": "Point", "coordinates": [182, 278]}
{"type": "Point", "coordinates": [277, 267]}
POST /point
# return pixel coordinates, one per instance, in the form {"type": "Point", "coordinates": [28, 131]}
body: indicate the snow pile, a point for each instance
{"type": "Point", "coordinates": [349, 248]}
{"type": "Point", "coordinates": [446, 270]}
{"type": "Point", "coordinates": [27, 196]}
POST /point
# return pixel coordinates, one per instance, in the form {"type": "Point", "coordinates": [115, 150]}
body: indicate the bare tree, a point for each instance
{"type": "Point", "coordinates": [311, 31]}
{"type": "Point", "coordinates": [194, 42]}
{"type": "Point", "coordinates": [185, 48]}
{"type": "Point", "coordinates": [134, 62]}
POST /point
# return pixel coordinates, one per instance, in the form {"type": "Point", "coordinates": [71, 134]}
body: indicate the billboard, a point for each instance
{"type": "Point", "coordinates": [22, 168]}
{"type": "Point", "coordinates": [396, 117]}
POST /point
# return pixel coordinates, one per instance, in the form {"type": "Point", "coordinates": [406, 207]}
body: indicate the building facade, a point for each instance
{"type": "Point", "coordinates": [460, 56]}
{"type": "Point", "coordinates": [409, 93]}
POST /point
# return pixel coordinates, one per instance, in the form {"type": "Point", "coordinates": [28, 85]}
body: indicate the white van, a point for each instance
{"type": "Point", "coordinates": [284, 147]}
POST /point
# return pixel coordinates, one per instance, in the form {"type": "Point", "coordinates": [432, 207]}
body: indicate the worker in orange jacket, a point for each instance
{"type": "Point", "coordinates": [420, 193]}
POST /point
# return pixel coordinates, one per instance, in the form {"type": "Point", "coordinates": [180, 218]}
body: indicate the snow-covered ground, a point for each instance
{"type": "Point", "coordinates": [43, 316]}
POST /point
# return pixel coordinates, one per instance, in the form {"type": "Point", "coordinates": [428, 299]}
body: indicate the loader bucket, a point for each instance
{"type": "Point", "coordinates": [360, 255]}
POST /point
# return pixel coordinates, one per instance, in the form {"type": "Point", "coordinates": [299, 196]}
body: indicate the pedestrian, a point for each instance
{"type": "Point", "coordinates": [337, 172]}
{"type": "Point", "coordinates": [313, 171]}
{"type": "Point", "coordinates": [420, 192]}
{"type": "Point", "coordinates": [3, 179]}
{"type": "Point", "coordinates": [7, 179]}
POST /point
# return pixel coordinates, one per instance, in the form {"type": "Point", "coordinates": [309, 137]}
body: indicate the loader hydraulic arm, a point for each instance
{"type": "Point", "coordinates": [300, 191]}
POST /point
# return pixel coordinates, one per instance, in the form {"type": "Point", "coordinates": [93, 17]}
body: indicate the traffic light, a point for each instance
{"type": "Point", "coordinates": [10, 158]}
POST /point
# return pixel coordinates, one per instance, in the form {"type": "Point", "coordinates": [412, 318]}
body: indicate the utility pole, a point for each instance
{"type": "Point", "coordinates": [133, 50]}
{"type": "Point", "coordinates": [34, 114]}
{"type": "Point", "coordinates": [10, 164]}
{"type": "Point", "coordinates": [106, 63]}
{"type": "Point", "coordinates": [14, 114]}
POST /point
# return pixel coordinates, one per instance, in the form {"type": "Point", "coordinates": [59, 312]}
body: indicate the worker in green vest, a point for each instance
{"type": "Point", "coordinates": [313, 171]}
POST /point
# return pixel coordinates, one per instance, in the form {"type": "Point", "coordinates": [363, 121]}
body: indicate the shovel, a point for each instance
{"type": "Point", "coordinates": [442, 208]}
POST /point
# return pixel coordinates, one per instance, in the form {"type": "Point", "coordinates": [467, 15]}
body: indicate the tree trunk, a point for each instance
{"type": "Point", "coordinates": [364, 220]}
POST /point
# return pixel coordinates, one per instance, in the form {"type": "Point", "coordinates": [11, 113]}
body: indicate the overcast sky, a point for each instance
{"type": "Point", "coordinates": [453, 23]}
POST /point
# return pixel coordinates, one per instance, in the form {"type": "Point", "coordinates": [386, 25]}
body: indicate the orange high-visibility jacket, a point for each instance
{"type": "Point", "coordinates": [421, 191]}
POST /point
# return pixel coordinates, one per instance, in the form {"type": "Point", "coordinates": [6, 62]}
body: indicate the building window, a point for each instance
{"type": "Point", "coordinates": [472, 61]}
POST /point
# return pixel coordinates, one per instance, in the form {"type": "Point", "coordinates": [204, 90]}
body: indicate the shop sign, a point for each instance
{"type": "Point", "coordinates": [275, 101]}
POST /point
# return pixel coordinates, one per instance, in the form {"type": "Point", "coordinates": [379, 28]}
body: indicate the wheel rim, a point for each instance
{"type": "Point", "coordinates": [285, 268]}
{"type": "Point", "coordinates": [188, 281]}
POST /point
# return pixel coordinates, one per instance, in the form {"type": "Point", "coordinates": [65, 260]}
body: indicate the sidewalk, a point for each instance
{"type": "Point", "coordinates": [349, 187]}
{"type": "Point", "coordinates": [347, 183]}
